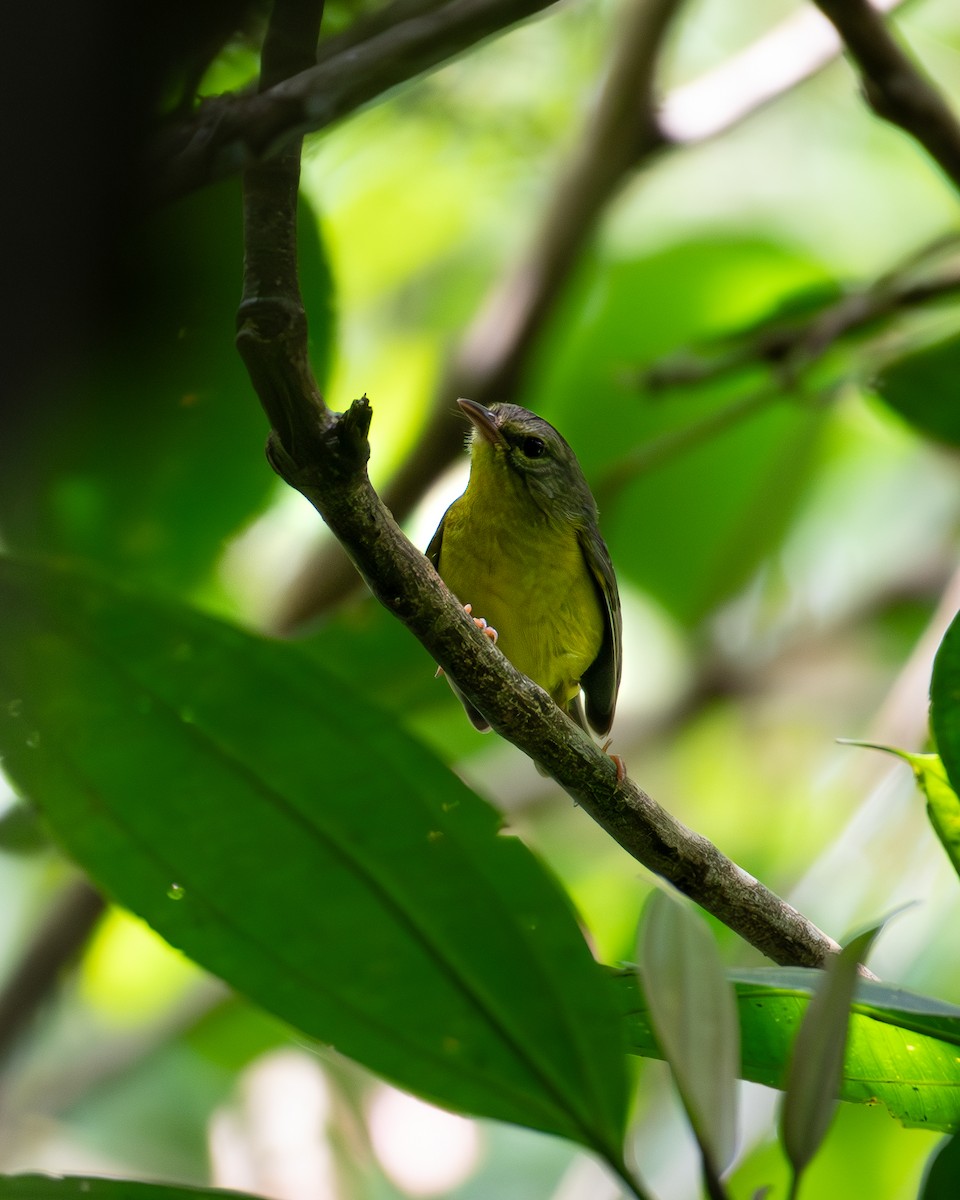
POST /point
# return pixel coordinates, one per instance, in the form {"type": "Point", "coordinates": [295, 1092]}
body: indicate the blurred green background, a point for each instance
{"type": "Point", "coordinates": [785, 575]}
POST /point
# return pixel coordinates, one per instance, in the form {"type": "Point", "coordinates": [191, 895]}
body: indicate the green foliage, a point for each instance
{"type": "Point", "coordinates": [901, 1050]}
{"type": "Point", "coordinates": [21, 831]}
{"type": "Point", "coordinates": [922, 387]}
{"type": "Point", "coordinates": [269, 809]}
{"type": "Point", "coordinates": [278, 829]}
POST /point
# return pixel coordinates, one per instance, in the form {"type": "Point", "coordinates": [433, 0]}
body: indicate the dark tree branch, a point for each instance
{"type": "Point", "coordinates": [272, 323]}
{"type": "Point", "coordinates": [323, 455]}
{"type": "Point", "coordinates": [895, 88]}
{"type": "Point", "coordinates": [235, 132]}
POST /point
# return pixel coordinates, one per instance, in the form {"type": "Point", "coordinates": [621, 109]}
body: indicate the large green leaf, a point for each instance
{"type": "Point", "coordinates": [903, 1050]}
{"type": "Point", "coordinates": [90, 1187]}
{"type": "Point", "coordinates": [292, 839]}
{"type": "Point", "coordinates": [922, 387]}
{"type": "Point", "coordinates": [145, 458]}
{"type": "Point", "coordinates": [691, 528]}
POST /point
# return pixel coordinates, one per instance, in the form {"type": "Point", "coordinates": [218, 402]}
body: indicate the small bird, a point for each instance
{"type": "Point", "coordinates": [522, 547]}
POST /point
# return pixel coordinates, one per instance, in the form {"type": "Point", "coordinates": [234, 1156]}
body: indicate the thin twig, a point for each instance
{"type": "Point", "coordinates": [272, 302]}
{"type": "Point", "coordinates": [895, 87]}
{"type": "Point", "coordinates": [663, 449]}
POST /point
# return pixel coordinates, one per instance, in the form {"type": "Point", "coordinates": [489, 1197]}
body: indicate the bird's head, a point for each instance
{"type": "Point", "coordinates": [540, 463]}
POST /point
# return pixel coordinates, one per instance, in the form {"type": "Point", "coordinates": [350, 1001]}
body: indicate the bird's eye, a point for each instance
{"type": "Point", "coordinates": [533, 447]}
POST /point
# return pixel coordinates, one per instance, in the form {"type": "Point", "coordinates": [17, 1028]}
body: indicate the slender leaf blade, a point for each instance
{"type": "Point", "coordinates": [816, 1061]}
{"type": "Point", "coordinates": [694, 1014]}
{"type": "Point", "coordinates": [292, 839]}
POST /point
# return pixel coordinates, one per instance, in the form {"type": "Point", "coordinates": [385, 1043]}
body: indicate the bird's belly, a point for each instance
{"type": "Point", "coordinates": [533, 586]}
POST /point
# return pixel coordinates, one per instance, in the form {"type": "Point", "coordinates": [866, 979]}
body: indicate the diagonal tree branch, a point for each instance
{"type": "Point", "coordinates": [895, 87]}
{"type": "Point", "coordinates": [324, 456]}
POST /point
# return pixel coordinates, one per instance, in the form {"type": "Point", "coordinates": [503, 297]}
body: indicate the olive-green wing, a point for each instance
{"type": "Point", "coordinates": [601, 680]}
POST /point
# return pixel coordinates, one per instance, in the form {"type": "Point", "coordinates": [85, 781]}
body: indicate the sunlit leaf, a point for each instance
{"type": "Point", "coordinates": [816, 1060]}
{"type": "Point", "coordinates": [922, 387]}
{"type": "Point", "coordinates": [903, 1050]}
{"type": "Point", "coordinates": [694, 1014]}
{"type": "Point", "coordinates": [289, 837]}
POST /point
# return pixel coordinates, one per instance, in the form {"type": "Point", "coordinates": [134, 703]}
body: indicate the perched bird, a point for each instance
{"type": "Point", "coordinates": [521, 548]}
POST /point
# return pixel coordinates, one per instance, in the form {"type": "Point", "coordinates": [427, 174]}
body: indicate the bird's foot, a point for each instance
{"type": "Point", "coordinates": [487, 630]}
{"type": "Point", "coordinates": [617, 760]}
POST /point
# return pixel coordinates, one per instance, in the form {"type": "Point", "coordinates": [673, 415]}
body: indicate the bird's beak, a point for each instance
{"type": "Point", "coordinates": [483, 420]}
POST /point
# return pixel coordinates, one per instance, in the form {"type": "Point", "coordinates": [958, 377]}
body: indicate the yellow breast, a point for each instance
{"type": "Point", "coordinates": [528, 578]}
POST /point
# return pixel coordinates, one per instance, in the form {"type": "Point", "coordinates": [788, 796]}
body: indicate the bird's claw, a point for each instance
{"type": "Point", "coordinates": [617, 760]}
{"type": "Point", "coordinates": [485, 629]}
